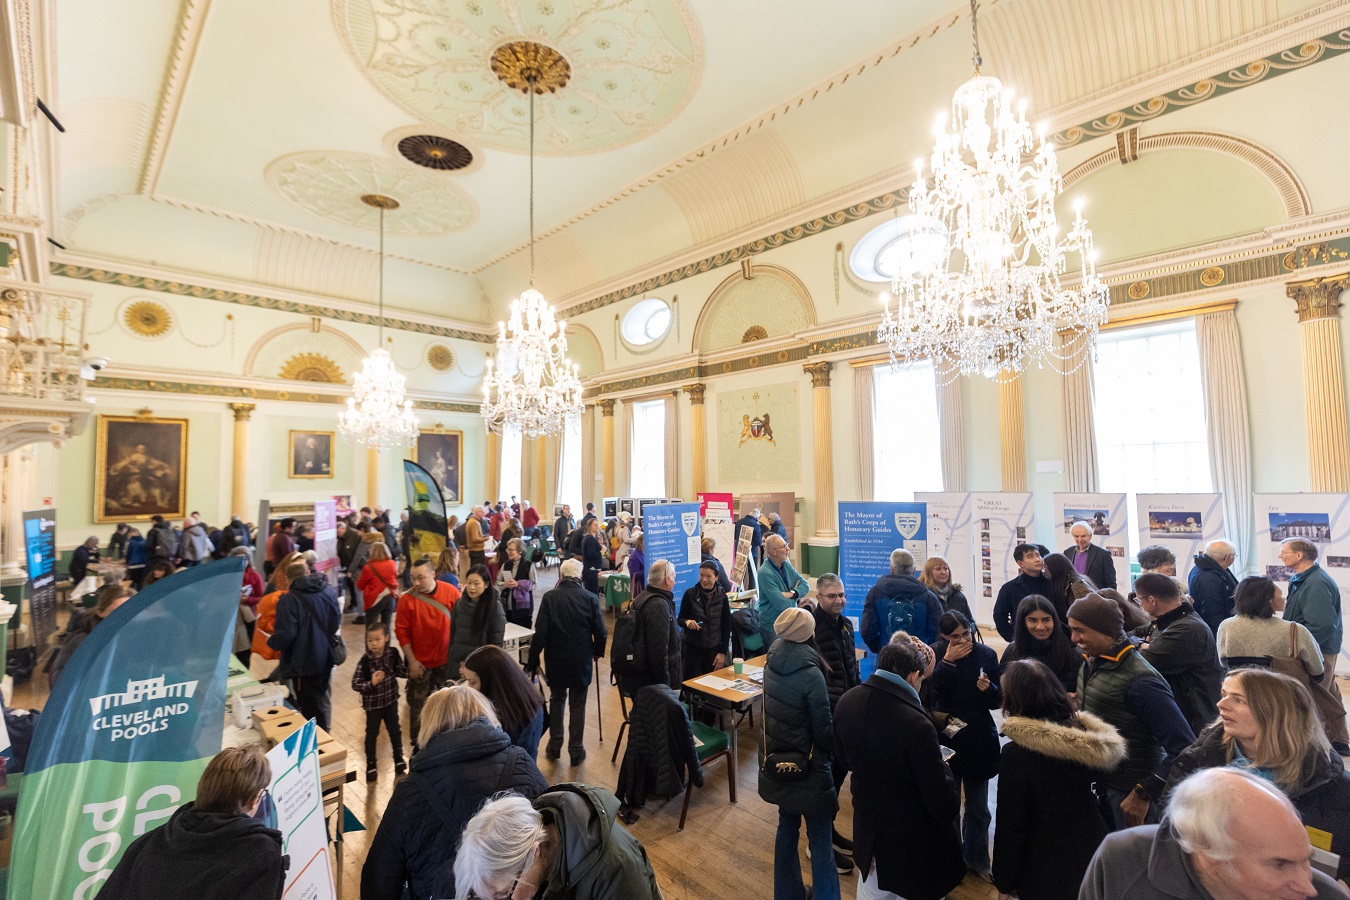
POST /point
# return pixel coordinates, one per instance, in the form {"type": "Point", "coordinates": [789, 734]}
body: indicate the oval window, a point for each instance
{"type": "Point", "coordinates": [901, 248]}
{"type": "Point", "coordinates": [646, 323]}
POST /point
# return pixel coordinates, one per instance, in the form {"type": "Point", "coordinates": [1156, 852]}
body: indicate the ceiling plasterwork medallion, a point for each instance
{"type": "Point", "coordinates": [440, 357]}
{"type": "Point", "coordinates": [629, 67]}
{"type": "Point", "coordinates": [147, 318]}
{"type": "Point", "coordinates": [1212, 276]}
{"type": "Point", "coordinates": [435, 152]}
{"type": "Point", "coordinates": [331, 185]}
{"type": "Point", "coordinates": [311, 367]}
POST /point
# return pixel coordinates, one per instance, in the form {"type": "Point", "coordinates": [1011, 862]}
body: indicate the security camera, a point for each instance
{"type": "Point", "coordinates": [92, 366]}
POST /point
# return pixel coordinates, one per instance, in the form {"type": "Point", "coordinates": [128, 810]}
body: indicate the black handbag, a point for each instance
{"type": "Point", "coordinates": [785, 765]}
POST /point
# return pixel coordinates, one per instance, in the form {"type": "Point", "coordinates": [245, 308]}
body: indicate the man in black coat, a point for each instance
{"type": "Point", "coordinates": [562, 528]}
{"type": "Point", "coordinates": [1096, 562]}
{"type": "Point", "coordinates": [1212, 583]}
{"type": "Point", "coordinates": [751, 520]}
{"type": "Point", "coordinates": [1181, 647]}
{"type": "Point", "coordinates": [905, 800]}
{"type": "Point", "coordinates": [568, 625]}
{"type": "Point", "coordinates": [835, 641]}
{"type": "Point", "coordinates": [655, 608]}
{"type": "Point", "coordinates": [307, 617]}
{"type": "Point", "coordinates": [1031, 579]}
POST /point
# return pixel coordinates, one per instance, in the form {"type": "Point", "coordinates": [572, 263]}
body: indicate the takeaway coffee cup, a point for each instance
{"type": "Point", "coordinates": [738, 665]}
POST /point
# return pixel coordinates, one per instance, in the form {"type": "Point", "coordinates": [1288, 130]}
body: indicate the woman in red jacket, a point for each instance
{"type": "Point", "coordinates": [378, 584]}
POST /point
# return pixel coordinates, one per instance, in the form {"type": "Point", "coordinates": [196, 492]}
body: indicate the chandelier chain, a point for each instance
{"type": "Point", "coordinates": [976, 59]}
{"type": "Point", "coordinates": [532, 81]}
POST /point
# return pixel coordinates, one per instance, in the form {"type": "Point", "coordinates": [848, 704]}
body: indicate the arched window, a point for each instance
{"type": "Point", "coordinates": [899, 246]}
{"type": "Point", "coordinates": [646, 323]}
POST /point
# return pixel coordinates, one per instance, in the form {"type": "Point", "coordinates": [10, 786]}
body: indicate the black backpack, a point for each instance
{"type": "Point", "coordinates": [461, 534]}
{"type": "Point", "coordinates": [627, 655]}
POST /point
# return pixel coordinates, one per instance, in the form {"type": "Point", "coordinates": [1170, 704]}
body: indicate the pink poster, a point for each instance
{"type": "Point", "coordinates": [719, 524]}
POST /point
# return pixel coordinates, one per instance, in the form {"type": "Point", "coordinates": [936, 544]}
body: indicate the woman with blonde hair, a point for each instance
{"type": "Point", "coordinates": [937, 577]}
{"type": "Point", "coordinates": [447, 566]}
{"type": "Point", "coordinates": [1269, 725]}
{"type": "Point", "coordinates": [465, 759]}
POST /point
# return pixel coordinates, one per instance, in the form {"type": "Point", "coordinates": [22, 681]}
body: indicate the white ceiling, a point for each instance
{"type": "Point", "coordinates": [233, 137]}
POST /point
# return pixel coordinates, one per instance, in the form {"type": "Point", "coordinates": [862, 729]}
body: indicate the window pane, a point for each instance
{"type": "Point", "coordinates": [648, 454]}
{"type": "Point", "coordinates": [906, 446]}
{"type": "Point", "coordinates": [569, 482]}
{"type": "Point", "coordinates": [1150, 414]}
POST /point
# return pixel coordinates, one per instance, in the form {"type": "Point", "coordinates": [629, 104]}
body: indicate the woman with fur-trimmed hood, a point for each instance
{"type": "Point", "coordinates": [1049, 823]}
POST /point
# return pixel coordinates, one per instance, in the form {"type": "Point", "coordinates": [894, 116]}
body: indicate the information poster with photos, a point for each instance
{"type": "Point", "coordinates": [1323, 519]}
{"type": "Point", "coordinates": [999, 522]}
{"type": "Point", "coordinates": [720, 525]}
{"type": "Point", "coordinates": [1107, 516]}
{"type": "Point", "coordinates": [1183, 523]}
{"type": "Point", "coordinates": [949, 534]}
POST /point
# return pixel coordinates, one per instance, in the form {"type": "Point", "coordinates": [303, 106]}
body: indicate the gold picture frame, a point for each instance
{"type": "Point", "coordinates": [448, 469]}
{"type": "Point", "coordinates": [310, 454]}
{"type": "Point", "coordinates": [140, 468]}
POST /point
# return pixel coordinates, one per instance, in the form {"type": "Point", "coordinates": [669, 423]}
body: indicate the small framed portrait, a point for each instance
{"type": "Point", "coordinates": [311, 454]}
{"type": "Point", "coordinates": [140, 468]}
{"type": "Point", "coordinates": [441, 453]}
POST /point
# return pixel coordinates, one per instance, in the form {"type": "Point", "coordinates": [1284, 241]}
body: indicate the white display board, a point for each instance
{"type": "Point", "coordinates": [298, 797]}
{"type": "Point", "coordinates": [998, 523]}
{"type": "Point", "coordinates": [1323, 519]}
{"type": "Point", "coordinates": [1183, 523]}
{"type": "Point", "coordinates": [1110, 522]}
{"type": "Point", "coordinates": [949, 536]}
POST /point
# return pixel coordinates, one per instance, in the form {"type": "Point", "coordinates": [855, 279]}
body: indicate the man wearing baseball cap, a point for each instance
{"type": "Point", "coordinates": [1118, 685]}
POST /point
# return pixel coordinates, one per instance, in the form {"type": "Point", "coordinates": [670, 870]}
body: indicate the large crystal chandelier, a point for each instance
{"type": "Point", "coordinates": [532, 389]}
{"type": "Point", "coordinates": [377, 414]}
{"type": "Point", "coordinates": [976, 276]}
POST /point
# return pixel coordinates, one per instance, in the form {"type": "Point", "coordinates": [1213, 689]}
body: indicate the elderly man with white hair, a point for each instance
{"type": "Point", "coordinates": [569, 631]}
{"type": "Point", "coordinates": [564, 843]}
{"type": "Point", "coordinates": [1212, 583]}
{"type": "Point", "coordinates": [1227, 835]}
{"type": "Point", "coordinates": [900, 602]}
{"type": "Point", "coordinates": [780, 586]}
{"type": "Point", "coordinates": [661, 644]}
{"type": "Point", "coordinates": [1089, 559]}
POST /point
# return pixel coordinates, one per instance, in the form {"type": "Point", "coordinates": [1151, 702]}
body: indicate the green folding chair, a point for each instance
{"type": "Point", "coordinates": [710, 743]}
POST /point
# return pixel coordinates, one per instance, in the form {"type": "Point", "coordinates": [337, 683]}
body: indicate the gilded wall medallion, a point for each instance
{"type": "Point", "coordinates": [1138, 290]}
{"type": "Point", "coordinates": [147, 318]}
{"type": "Point", "coordinates": [440, 357]}
{"type": "Point", "coordinates": [1212, 276]}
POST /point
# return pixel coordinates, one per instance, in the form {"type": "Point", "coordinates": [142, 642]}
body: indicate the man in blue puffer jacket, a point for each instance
{"type": "Point", "coordinates": [899, 602]}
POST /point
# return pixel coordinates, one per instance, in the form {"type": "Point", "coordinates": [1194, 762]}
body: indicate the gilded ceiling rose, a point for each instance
{"type": "Point", "coordinates": [435, 152]}
{"type": "Point", "coordinates": [440, 357]}
{"type": "Point", "coordinates": [331, 185]}
{"type": "Point", "coordinates": [462, 64]}
{"type": "Point", "coordinates": [311, 367]}
{"type": "Point", "coordinates": [147, 318]}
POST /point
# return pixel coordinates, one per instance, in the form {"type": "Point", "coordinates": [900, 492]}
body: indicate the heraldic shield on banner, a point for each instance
{"type": "Point", "coordinates": [908, 524]}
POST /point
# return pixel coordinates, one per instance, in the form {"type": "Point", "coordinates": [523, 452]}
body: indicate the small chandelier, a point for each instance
{"type": "Point", "coordinates": [533, 388]}
{"type": "Point", "coordinates": [976, 271]}
{"type": "Point", "coordinates": [377, 414]}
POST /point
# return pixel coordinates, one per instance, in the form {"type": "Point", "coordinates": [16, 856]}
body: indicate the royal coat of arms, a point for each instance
{"type": "Point", "coordinates": [757, 428]}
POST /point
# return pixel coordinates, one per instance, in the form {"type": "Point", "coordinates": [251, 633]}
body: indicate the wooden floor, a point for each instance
{"type": "Point", "coordinates": [724, 853]}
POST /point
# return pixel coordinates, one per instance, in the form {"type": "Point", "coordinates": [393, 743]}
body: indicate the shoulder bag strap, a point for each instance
{"type": "Point", "coordinates": [437, 804]}
{"type": "Point", "coordinates": [435, 604]}
{"type": "Point", "coordinates": [1293, 640]}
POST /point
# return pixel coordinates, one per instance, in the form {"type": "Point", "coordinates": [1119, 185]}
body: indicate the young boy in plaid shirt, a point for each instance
{"type": "Point", "coordinates": [376, 680]}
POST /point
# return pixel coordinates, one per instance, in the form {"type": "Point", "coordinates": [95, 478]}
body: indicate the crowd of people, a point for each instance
{"type": "Point", "coordinates": [1132, 737]}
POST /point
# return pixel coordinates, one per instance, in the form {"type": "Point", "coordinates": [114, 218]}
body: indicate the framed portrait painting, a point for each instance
{"type": "Point", "coordinates": [140, 468]}
{"type": "Point", "coordinates": [311, 454]}
{"type": "Point", "coordinates": [442, 454]}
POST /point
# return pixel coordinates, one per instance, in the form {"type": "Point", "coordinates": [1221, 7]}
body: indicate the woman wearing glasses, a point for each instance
{"type": "Point", "coordinates": [465, 759]}
{"type": "Point", "coordinates": [965, 686]}
{"type": "Point", "coordinates": [564, 844]}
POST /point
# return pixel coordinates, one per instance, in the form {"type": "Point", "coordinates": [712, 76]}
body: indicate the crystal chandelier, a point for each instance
{"type": "Point", "coordinates": [533, 388]}
{"type": "Point", "coordinates": [976, 277]}
{"type": "Point", "coordinates": [377, 414]}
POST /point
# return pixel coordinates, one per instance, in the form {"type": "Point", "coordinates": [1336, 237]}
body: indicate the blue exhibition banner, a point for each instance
{"type": "Point", "coordinates": [868, 532]}
{"type": "Point", "coordinates": [128, 729]}
{"type": "Point", "coordinates": [672, 531]}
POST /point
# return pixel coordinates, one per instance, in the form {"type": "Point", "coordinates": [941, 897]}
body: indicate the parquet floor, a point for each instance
{"type": "Point", "coordinates": [724, 853]}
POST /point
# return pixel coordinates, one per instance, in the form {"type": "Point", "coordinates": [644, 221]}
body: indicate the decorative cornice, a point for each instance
{"type": "Point", "coordinates": [1290, 59]}
{"type": "Point", "coordinates": [191, 19]}
{"type": "Point", "coordinates": [195, 389]}
{"type": "Point", "coordinates": [1317, 298]}
{"type": "Point", "coordinates": [819, 372]}
{"type": "Point", "coordinates": [183, 289]}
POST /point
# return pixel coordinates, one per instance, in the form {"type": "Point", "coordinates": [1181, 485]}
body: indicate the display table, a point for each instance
{"type": "Point", "coordinates": [516, 640]}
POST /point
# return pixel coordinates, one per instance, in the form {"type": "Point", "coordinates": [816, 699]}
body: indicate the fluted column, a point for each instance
{"type": "Point", "coordinates": [824, 444]}
{"type": "Point", "coordinates": [1012, 435]}
{"type": "Point", "coordinates": [494, 466]}
{"type": "Point", "coordinates": [372, 476]}
{"type": "Point", "coordinates": [1318, 301]}
{"type": "Point", "coordinates": [239, 465]}
{"type": "Point", "coordinates": [698, 438]}
{"type": "Point", "coordinates": [607, 445]}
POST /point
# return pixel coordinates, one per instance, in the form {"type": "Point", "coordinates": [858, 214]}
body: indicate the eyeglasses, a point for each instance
{"type": "Point", "coordinates": [511, 891]}
{"type": "Point", "coordinates": [959, 636]}
{"type": "Point", "coordinates": [838, 596]}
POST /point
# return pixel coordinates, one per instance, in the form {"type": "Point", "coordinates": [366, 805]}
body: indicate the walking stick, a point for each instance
{"type": "Point", "coordinates": [599, 724]}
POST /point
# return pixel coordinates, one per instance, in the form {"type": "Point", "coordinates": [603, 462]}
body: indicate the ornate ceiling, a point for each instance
{"type": "Point", "coordinates": [234, 139]}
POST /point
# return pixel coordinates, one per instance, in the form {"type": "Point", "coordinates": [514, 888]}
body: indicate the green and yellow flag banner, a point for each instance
{"type": "Point", "coordinates": [126, 733]}
{"type": "Point", "coordinates": [428, 531]}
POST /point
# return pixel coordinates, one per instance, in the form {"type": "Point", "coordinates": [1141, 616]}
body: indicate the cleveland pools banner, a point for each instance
{"type": "Point", "coordinates": [426, 512]}
{"type": "Point", "coordinates": [126, 733]}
